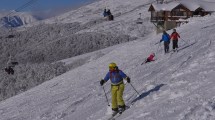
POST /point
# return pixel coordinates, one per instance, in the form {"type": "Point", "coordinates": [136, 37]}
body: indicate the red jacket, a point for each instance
{"type": "Point", "coordinates": [174, 36]}
{"type": "Point", "coordinates": [151, 57]}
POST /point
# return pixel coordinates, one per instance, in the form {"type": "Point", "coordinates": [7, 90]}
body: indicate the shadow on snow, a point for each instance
{"type": "Point", "coordinates": [143, 95]}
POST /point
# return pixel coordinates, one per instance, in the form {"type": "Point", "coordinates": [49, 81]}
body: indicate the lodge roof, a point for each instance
{"type": "Point", "coordinates": [192, 5]}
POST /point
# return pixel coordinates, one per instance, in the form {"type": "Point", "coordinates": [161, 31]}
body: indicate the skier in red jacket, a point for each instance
{"type": "Point", "coordinates": [174, 37]}
{"type": "Point", "coordinates": [150, 58]}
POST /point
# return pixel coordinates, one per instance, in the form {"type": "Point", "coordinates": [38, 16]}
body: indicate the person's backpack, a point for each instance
{"type": "Point", "coordinates": [110, 17]}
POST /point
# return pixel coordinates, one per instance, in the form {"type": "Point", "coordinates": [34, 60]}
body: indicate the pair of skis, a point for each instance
{"type": "Point", "coordinates": [114, 117]}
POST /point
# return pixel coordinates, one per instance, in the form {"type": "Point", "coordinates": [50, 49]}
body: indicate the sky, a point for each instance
{"type": "Point", "coordinates": [43, 8]}
{"type": "Point", "coordinates": [44, 4]}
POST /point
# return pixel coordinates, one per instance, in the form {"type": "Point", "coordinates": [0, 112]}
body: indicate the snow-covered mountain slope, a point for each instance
{"type": "Point", "coordinates": [125, 15]}
{"type": "Point", "coordinates": [47, 43]}
{"type": "Point", "coordinates": [16, 19]}
{"type": "Point", "coordinates": [177, 86]}
{"type": "Point", "coordinates": [94, 11]}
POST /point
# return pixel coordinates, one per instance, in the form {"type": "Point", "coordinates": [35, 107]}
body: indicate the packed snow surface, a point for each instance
{"type": "Point", "coordinates": [177, 86]}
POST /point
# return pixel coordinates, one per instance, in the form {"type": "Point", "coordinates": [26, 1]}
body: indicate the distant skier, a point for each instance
{"type": "Point", "coordinates": [117, 87]}
{"type": "Point", "coordinates": [9, 70]}
{"type": "Point", "coordinates": [108, 12]}
{"type": "Point", "coordinates": [150, 58]}
{"type": "Point", "coordinates": [10, 65]}
{"type": "Point", "coordinates": [105, 13]}
{"type": "Point", "coordinates": [166, 39]}
{"type": "Point", "coordinates": [174, 37]}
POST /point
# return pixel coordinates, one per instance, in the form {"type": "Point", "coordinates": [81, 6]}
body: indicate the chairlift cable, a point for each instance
{"type": "Point", "coordinates": [19, 9]}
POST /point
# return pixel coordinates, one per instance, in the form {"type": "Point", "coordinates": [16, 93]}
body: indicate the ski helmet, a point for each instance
{"type": "Point", "coordinates": [174, 30]}
{"type": "Point", "coordinates": [112, 65]}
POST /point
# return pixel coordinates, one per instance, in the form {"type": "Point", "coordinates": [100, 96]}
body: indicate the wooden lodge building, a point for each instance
{"type": "Point", "coordinates": [170, 15]}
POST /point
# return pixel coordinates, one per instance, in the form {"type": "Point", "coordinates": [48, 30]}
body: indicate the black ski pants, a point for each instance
{"type": "Point", "coordinates": [166, 46]}
{"type": "Point", "coordinates": [147, 60]}
{"type": "Point", "coordinates": [174, 44]}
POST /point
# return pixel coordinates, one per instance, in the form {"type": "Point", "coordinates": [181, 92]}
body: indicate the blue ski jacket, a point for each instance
{"type": "Point", "coordinates": [116, 77]}
{"type": "Point", "coordinates": [105, 14]}
{"type": "Point", "coordinates": [165, 38]}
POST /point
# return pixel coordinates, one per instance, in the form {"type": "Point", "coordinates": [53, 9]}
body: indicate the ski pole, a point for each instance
{"type": "Point", "coordinates": [106, 96]}
{"type": "Point", "coordinates": [184, 41]}
{"type": "Point", "coordinates": [157, 42]}
{"type": "Point", "coordinates": [158, 47]}
{"type": "Point", "coordinates": [135, 89]}
{"type": "Point", "coordinates": [143, 62]}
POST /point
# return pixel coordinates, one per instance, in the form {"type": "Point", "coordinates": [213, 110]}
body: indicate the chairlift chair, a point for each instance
{"type": "Point", "coordinates": [139, 20]}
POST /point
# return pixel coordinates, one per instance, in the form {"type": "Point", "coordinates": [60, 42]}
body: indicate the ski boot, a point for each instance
{"type": "Point", "coordinates": [173, 50]}
{"type": "Point", "coordinates": [114, 111]}
{"type": "Point", "coordinates": [121, 109]}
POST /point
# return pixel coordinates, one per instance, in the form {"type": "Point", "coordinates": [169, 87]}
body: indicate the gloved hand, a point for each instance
{"type": "Point", "coordinates": [128, 79]}
{"type": "Point", "coordinates": [102, 82]}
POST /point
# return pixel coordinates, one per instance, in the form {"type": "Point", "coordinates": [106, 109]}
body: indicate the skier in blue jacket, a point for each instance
{"type": "Point", "coordinates": [105, 13]}
{"type": "Point", "coordinates": [166, 39]}
{"type": "Point", "coordinates": [116, 77]}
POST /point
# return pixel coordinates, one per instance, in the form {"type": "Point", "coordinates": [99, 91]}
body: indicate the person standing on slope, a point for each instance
{"type": "Point", "coordinates": [10, 65]}
{"type": "Point", "coordinates": [108, 12]}
{"type": "Point", "coordinates": [105, 13]}
{"type": "Point", "coordinates": [174, 37]}
{"type": "Point", "coordinates": [117, 87]}
{"type": "Point", "coordinates": [166, 39]}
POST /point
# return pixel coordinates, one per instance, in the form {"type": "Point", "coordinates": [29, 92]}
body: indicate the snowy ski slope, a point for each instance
{"type": "Point", "coordinates": [178, 86]}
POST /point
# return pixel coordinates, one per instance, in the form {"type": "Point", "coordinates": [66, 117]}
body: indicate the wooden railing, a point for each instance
{"type": "Point", "coordinates": [157, 18]}
{"type": "Point", "coordinates": [169, 18]}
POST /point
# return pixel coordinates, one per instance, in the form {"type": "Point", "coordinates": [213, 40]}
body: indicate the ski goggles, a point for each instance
{"type": "Point", "coordinates": [112, 68]}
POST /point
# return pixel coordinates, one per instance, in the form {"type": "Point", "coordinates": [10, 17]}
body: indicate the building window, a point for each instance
{"type": "Point", "coordinates": [154, 14]}
{"type": "Point", "coordinates": [179, 13]}
{"type": "Point", "coordinates": [160, 14]}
